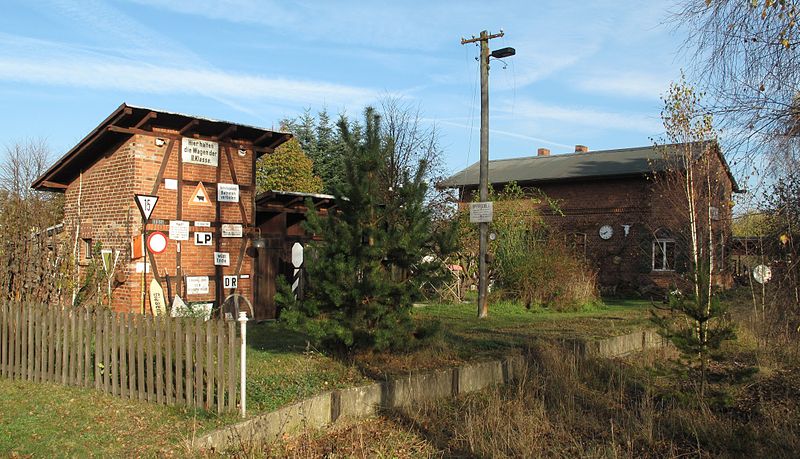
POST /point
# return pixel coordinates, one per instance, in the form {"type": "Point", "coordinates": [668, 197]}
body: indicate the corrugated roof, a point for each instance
{"type": "Point", "coordinates": [570, 166]}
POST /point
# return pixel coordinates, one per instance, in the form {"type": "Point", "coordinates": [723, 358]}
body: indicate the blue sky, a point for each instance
{"type": "Point", "coordinates": [585, 72]}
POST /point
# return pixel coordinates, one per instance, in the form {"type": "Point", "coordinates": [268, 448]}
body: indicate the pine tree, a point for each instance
{"type": "Point", "coordinates": [365, 274]}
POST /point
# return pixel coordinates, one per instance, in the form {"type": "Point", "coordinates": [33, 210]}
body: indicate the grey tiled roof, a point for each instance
{"type": "Point", "coordinates": [570, 166]}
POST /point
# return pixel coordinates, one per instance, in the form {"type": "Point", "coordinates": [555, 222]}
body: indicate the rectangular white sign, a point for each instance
{"type": "Point", "coordinates": [230, 281]}
{"type": "Point", "coordinates": [231, 230]}
{"type": "Point", "coordinates": [227, 192]}
{"type": "Point", "coordinates": [179, 230]}
{"type": "Point", "coordinates": [203, 224]}
{"type": "Point", "coordinates": [203, 238]}
{"type": "Point", "coordinates": [170, 184]}
{"type": "Point", "coordinates": [196, 151]}
{"type": "Point", "coordinates": [196, 285]}
{"type": "Point", "coordinates": [481, 212]}
{"type": "Point", "coordinates": [222, 259]}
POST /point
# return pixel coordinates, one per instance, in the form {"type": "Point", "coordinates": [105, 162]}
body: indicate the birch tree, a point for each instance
{"type": "Point", "coordinates": [691, 181]}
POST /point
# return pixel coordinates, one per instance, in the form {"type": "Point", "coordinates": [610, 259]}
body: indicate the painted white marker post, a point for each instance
{"type": "Point", "coordinates": [243, 361]}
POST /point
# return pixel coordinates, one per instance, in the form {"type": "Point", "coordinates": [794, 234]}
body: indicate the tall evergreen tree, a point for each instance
{"type": "Point", "coordinates": [365, 274]}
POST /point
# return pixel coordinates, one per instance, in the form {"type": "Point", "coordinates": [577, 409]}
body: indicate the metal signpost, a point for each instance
{"type": "Point", "coordinates": [146, 204]}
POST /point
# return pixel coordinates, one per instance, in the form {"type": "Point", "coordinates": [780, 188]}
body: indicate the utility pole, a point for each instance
{"type": "Point", "coordinates": [483, 281]}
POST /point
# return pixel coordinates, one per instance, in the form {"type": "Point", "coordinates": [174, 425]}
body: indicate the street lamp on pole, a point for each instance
{"type": "Point", "coordinates": [483, 39]}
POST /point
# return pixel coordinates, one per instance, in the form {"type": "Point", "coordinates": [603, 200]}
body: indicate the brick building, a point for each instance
{"type": "Point", "coordinates": [610, 209]}
{"type": "Point", "coordinates": [140, 151]}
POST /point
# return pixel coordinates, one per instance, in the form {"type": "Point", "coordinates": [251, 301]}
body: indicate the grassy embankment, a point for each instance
{"type": "Point", "coordinates": [640, 406]}
{"type": "Point", "coordinates": [45, 419]}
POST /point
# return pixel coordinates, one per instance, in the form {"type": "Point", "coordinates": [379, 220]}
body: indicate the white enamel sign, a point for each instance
{"type": "Point", "coordinates": [179, 230]}
{"type": "Point", "coordinates": [196, 151]}
{"type": "Point", "coordinates": [481, 212]}
{"type": "Point", "coordinates": [230, 281]}
{"type": "Point", "coordinates": [203, 238]}
{"type": "Point", "coordinates": [231, 230]}
{"type": "Point", "coordinates": [146, 204]}
{"type": "Point", "coordinates": [203, 224]}
{"type": "Point", "coordinates": [196, 285]}
{"type": "Point", "coordinates": [227, 192]}
{"type": "Point", "coordinates": [222, 259]}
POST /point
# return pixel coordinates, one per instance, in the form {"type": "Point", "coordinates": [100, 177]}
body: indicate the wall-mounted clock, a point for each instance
{"type": "Point", "coordinates": [606, 231]}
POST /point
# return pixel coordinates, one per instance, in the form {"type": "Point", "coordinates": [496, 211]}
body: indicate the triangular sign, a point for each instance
{"type": "Point", "coordinates": [200, 195]}
{"type": "Point", "coordinates": [146, 204]}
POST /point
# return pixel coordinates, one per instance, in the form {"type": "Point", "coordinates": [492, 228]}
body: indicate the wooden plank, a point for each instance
{"type": "Point", "coordinates": [131, 356]}
{"type": "Point", "coordinates": [113, 372]}
{"type": "Point", "coordinates": [40, 343]}
{"type": "Point", "coordinates": [31, 348]}
{"type": "Point", "coordinates": [106, 352]}
{"type": "Point", "coordinates": [232, 360]}
{"type": "Point", "coordinates": [14, 335]}
{"type": "Point", "coordinates": [140, 356]}
{"type": "Point", "coordinates": [87, 349]}
{"type": "Point", "coordinates": [179, 376]}
{"type": "Point", "coordinates": [159, 343]}
{"type": "Point", "coordinates": [23, 361]}
{"type": "Point", "coordinates": [64, 345]}
{"type": "Point", "coordinates": [220, 324]}
{"type": "Point", "coordinates": [123, 355]}
{"type": "Point", "coordinates": [169, 386]}
{"type": "Point", "coordinates": [3, 338]}
{"type": "Point", "coordinates": [98, 350]}
{"type": "Point", "coordinates": [198, 363]}
{"type": "Point", "coordinates": [51, 344]}
{"type": "Point", "coordinates": [73, 349]}
{"type": "Point", "coordinates": [148, 363]}
{"type": "Point", "coordinates": [79, 363]}
{"type": "Point", "coordinates": [188, 379]}
{"type": "Point", "coordinates": [209, 364]}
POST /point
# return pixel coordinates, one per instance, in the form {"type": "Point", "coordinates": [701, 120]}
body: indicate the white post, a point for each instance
{"type": "Point", "coordinates": [243, 361]}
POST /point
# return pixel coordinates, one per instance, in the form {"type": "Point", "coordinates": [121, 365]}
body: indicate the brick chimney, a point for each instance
{"type": "Point", "coordinates": [543, 152]}
{"type": "Point", "coordinates": [581, 149]}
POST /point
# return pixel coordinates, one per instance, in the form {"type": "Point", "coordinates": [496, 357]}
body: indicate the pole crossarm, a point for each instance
{"type": "Point", "coordinates": [475, 39]}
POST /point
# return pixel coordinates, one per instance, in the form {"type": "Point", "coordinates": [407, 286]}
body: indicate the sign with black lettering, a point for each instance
{"type": "Point", "coordinates": [231, 230]}
{"type": "Point", "coordinates": [227, 192]}
{"type": "Point", "coordinates": [179, 230]}
{"type": "Point", "coordinates": [203, 238]}
{"type": "Point", "coordinates": [222, 259]}
{"type": "Point", "coordinates": [196, 151]}
{"type": "Point", "coordinates": [146, 204]}
{"type": "Point", "coordinates": [230, 281]}
{"type": "Point", "coordinates": [196, 285]}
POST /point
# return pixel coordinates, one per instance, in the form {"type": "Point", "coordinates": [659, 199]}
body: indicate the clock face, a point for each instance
{"type": "Point", "coordinates": [606, 232]}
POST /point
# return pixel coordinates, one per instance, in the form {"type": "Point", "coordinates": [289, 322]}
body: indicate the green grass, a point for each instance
{"type": "Point", "coordinates": [47, 420]}
{"type": "Point", "coordinates": [50, 420]}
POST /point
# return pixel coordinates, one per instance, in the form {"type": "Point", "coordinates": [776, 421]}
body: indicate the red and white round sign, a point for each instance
{"type": "Point", "coordinates": [157, 242]}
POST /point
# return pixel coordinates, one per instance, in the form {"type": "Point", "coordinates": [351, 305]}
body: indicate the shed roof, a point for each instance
{"type": "Point", "coordinates": [128, 120]}
{"type": "Point", "coordinates": [599, 164]}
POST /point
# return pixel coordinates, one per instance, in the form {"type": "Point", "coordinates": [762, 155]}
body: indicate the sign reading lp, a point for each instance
{"type": "Point", "coordinates": [203, 238]}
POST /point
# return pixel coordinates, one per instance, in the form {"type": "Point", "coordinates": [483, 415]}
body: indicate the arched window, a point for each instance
{"type": "Point", "coordinates": [663, 251]}
{"type": "Point", "coordinates": [577, 241]}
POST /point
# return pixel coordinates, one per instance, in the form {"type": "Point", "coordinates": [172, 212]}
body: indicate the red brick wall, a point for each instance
{"type": "Point", "coordinates": [621, 260]}
{"type": "Point", "coordinates": [108, 205]}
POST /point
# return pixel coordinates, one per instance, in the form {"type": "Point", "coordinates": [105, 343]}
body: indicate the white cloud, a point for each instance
{"type": "Point", "coordinates": [113, 74]}
{"type": "Point", "coordinates": [586, 117]}
{"type": "Point", "coordinates": [505, 133]}
{"type": "Point", "coordinates": [637, 85]}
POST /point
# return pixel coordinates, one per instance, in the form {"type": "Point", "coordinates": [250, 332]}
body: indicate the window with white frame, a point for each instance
{"type": "Point", "coordinates": [664, 254]}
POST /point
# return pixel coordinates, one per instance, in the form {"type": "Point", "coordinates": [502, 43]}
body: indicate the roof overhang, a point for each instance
{"type": "Point", "coordinates": [128, 120]}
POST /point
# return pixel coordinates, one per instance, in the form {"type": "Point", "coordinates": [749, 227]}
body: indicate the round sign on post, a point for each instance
{"type": "Point", "coordinates": [762, 274]}
{"type": "Point", "coordinates": [157, 242]}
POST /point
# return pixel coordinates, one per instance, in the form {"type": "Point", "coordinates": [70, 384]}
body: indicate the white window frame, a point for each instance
{"type": "Point", "coordinates": [661, 243]}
